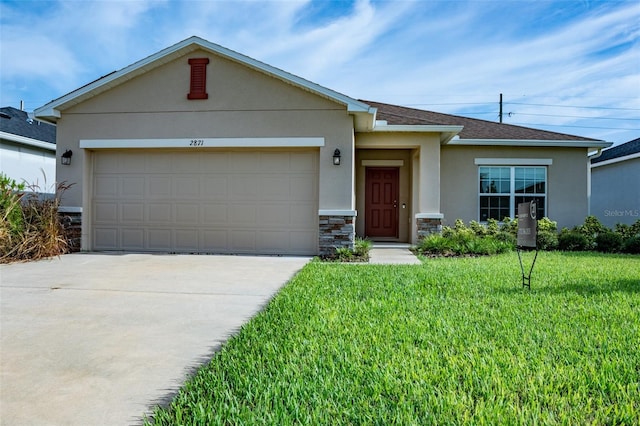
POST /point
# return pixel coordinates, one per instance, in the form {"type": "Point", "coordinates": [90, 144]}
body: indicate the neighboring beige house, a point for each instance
{"type": "Point", "coordinates": [201, 149]}
{"type": "Point", "coordinates": [615, 184]}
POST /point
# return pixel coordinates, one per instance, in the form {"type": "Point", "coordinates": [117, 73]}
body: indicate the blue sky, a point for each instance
{"type": "Point", "coordinates": [571, 66]}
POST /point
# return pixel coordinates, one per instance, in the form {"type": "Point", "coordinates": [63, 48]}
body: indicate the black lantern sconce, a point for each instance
{"type": "Point", "coordinates": [336, 157]}
{"type": "Point", "coordinates": [65, 159]}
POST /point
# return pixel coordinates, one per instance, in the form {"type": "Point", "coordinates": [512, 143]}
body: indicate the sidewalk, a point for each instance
{"type": "Point", "coordinates": [392, 254]}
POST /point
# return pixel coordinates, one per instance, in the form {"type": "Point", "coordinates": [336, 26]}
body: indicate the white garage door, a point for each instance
{"type": "Point", "coordinates": [206, 201]}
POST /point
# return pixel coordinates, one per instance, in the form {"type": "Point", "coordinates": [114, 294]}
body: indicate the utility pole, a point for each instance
{"type": "Point", "coordinates": [500, 108]}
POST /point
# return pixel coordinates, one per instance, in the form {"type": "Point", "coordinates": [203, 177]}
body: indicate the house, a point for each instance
{"type": "Point", "coordinates": [27, 149]}
{"type": "Point", "coordinates": [615, 184]}
{"type": "Point", "coordinates": [198, 148]}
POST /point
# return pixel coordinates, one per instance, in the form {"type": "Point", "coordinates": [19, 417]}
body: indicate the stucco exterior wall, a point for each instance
{"type": "Point", "coordinates": [567, 178]}
{"type": "Point", "coordinates": [242, 103]}
{"type": "Point", "coordinates": [615, 192]}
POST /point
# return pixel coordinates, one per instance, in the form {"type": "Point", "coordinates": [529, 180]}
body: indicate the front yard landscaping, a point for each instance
{"type": "Point", "coordinates": [453, 341]}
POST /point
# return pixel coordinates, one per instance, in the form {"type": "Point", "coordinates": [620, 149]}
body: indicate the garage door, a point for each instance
{"type": "Point", "coordinates": [206, 201]}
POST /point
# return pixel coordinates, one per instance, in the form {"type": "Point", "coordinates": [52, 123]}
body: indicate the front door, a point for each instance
{"type": "Point", "coordinates": [381, 202]}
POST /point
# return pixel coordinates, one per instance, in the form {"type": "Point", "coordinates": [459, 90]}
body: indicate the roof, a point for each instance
{"type": "Point", "coordinates": [473, 128]}
{"type": "Point", "coordinates": [623, 150]}
{"type": "Point", "coordinates": [51, 111]}
{"type": "Point", "coordinates": [17, 122]}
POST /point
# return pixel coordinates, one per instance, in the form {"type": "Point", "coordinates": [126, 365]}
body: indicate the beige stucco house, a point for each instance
{"type": "Point", "coordinates": [201, 149]}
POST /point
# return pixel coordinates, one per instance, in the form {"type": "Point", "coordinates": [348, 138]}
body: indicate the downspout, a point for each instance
{"type": "Point", "coordinates": [596, 155]}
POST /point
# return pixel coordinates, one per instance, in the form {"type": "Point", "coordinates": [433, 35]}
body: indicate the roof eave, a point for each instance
{"type": "Point", "coordinates": [446, 132]}
{"type": "Point", "coordinates": [533, 143]}
{"type": "Point", "coordinates": [28, 141]}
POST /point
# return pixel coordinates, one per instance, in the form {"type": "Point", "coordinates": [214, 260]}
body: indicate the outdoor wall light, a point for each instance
{"type": "Point", "coordinates": [65, 159]}
{"type": "Point", "coordinates": [336, 157]}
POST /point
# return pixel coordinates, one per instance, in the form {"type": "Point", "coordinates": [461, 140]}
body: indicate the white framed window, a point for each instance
{"type": "Point", "coordinates": [502, 188]}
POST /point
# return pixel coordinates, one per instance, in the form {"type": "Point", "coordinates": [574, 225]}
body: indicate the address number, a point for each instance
{"type": "Point", "coordinates": [196, 142]}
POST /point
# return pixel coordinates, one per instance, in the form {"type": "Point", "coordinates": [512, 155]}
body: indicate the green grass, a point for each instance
{"type": "Point", "coordinates": [453, 341]}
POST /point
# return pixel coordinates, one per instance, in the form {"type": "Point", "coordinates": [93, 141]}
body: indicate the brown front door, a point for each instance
{"type": "Point", "coordinates": [381, 202]}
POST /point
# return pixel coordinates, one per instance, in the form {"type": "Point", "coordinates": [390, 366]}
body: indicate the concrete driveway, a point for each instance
{"type": "Point", "coordinates": [92, 339]}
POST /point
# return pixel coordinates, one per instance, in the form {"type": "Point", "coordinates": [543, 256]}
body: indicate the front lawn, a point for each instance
{"type": "Point", "coordinates": [456, 340]}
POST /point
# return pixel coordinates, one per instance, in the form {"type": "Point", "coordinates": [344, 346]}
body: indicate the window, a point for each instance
{"type": "Point", "coordinates": [503, 188]}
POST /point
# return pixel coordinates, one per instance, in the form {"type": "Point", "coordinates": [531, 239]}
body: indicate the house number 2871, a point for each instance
{"type": "Point", "coordinates": [196, 142]}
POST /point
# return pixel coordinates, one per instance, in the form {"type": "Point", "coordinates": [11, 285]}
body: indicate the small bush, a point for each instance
{"type": "Point", "coordinates": [631, 245]}
{"type": "Point", "coordinates": [362, 248]}
{"type": "Point", "coordinates": [608, 242]}
{"type": "Point", "coordinates": [573, 241]}
{"type": "Point", "coordinates": [547, 240]}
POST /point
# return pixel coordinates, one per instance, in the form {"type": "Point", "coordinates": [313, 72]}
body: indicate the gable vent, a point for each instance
{"type": "Point", "coordinates": [198, 89]}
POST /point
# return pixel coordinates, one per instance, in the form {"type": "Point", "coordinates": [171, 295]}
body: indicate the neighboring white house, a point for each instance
{"type": "Point", "coordinates": [615, 184]}
{"type": "Point", "coordinates": [27, 149]}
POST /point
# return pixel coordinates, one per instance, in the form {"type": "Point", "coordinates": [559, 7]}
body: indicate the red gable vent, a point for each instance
{"type": "Point", "coordinates": [198, 78]}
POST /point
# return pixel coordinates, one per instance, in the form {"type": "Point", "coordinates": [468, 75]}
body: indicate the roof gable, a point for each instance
{"type": "Point", "coordinates": [52, 110]}
{"type": "Point", "coordinates": [17, 122]}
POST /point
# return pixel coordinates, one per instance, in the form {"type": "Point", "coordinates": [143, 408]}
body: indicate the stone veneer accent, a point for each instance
{"type": "Point", "coordinates": [335, 232]}
{"type": "Point", "coordinates": [427, 227]}
{"type": "Point", "coordinates": [72, 225]}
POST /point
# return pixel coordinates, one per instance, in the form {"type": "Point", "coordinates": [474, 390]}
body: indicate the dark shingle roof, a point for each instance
{"type": "Point", "coordinates": [627, 148]}
{"type": "Point", "coordinates": [16, 122]}
{"type": "Point", "coordinates": [473, 127]}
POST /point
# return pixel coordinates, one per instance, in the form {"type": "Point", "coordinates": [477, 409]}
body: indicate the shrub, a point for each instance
{"type": "Point", "coordinates": [547, 225]}
{"type": "Point", "coordinates": [362, 248]}
{"type": "Point", "coordinates": [10, 210]}
{"type": "Point", "coordinates": [631, 245]}
{"type": "Point", "coordinates": [573, 241]}
{"type": "Point", "coordinates": [608, 242]}
{"type": "Point", "coordinates": [547, 240]}
{"type": "Point", "coordinates": [590, 229]}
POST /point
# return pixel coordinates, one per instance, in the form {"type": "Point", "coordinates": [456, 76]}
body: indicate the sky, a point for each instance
{"type": "Point", "coordinates": [569, 66]}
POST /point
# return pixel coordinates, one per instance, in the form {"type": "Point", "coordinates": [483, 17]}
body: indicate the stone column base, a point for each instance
{"type": "Point", "coordinates": [336, 231]}
{"type": "Point", "coordinates": [72, 225]}
{"type": "Point", "coordinates": [427, 226]}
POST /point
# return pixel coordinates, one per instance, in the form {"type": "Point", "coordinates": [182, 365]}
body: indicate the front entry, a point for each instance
{"type": "Point", "coordinates": [381, 202]}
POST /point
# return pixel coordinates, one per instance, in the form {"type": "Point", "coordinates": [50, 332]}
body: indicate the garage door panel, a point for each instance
{"type": "Point", "coordinates": [214, 187]}
{"type": "Point", "coordinates": [159, 239]}
{"type": "Point", "coordinates": [244, 187]}
{"type": "Point", "coordinates": [106, 212]}
{"type": "Point", "coordinates": [187, 240]}
{"type": "Point", "coordinates": [215, 240]}
{"type": "Point", "coordinates": [159, 213]}
{"type": "Point", "coordinates": [106, 186]}
{"type": "Point", "coordinates": [133, 239]}
{"type": "Point", "coordinates": [132, 187]}
{"type": "Point", "coordinates": [186, 188]}
{"type": "Point", "coordinates": [158, 187]}
{"type": "Point", "coordinates": [132, 212]}
{"type": "Point", "coordinates": [106, 238]}
{"type": "Point", "coordinates": [158, 163]}
{"type": "Point", "coordinates": [243, 241]}
{"type": "Point", "coordinates": [212, 201]}
{"type": "Point", "coordinates": [187, 214]}
{"type": "Point", "coordinates": [274, 188]}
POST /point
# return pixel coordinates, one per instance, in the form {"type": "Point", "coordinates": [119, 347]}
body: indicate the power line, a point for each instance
{"type": "Point", "coordinates": [510, 114]}
{"type": "Point", "coordinates": [579, 127]}
{"type": "Point", "coordinates": [574, 106]}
